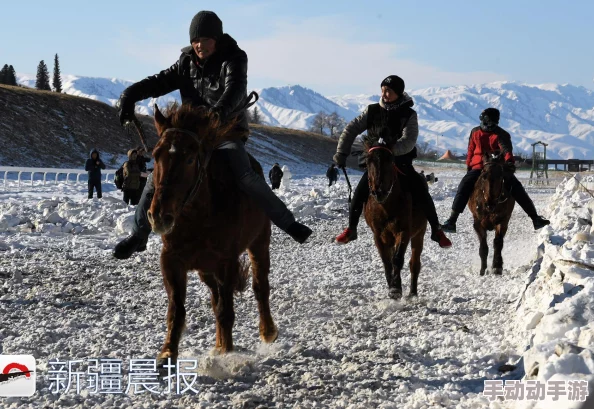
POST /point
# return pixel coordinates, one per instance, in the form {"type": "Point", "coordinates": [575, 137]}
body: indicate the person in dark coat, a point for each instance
{"type": "Point", "coordinates": [142, 161]}
{"type": "Point", "coordinates": [275, 175]}
{"type": "Point", "coordinates": [93, 167]}
{"type": "Point", "coordinates": [210, 72]}
{"type": "Point", "coordinates": [395, 122]}
{"type": "Point", "coordinates": [484, 139]}
{"type": "Point", "coordinates": [131, 186]}
{"type": "Point", "coordinates": [332, 174]}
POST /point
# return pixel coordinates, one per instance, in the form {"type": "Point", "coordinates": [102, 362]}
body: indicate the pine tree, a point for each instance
{"type": "Point", "coordinates": [255, 119]}
{"type": "Point", "coordinates": [11, 76]}
{"type": "Point", "coordinates": [57, 82]}
{"type": "Point", "coordinates": [42, 81]}
{"type": "Point", "coordinates": [4, 74]}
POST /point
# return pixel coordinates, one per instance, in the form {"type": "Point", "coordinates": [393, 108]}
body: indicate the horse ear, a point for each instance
{"type": "Point", "coordinates": [160, 120]}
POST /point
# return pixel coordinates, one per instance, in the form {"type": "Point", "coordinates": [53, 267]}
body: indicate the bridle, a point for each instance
{"type": "Point", "coordinates": [373, 193]}
{"type": "Point", "coordinates": [502, 198]}
{"type": "Point", "coordinates": [200, 167]}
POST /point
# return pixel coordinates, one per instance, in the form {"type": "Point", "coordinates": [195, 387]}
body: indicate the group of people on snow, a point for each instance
{"type": "Point", "coordinates": [130, 177]}
{"type": "Point", "coordinates": [212, 72]}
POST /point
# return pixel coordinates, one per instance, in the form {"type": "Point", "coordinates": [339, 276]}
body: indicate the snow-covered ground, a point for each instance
{"type": "Point", "coordinates": [556, 310]}
{"type": "Point", "coordinates": [342, 342]}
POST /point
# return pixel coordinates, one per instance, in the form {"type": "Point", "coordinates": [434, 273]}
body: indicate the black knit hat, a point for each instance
{"type": "Point", "coordinates": [490, 115]}
{"type": "Point", "coordinates": [395, 83]}
{"type": "Point", "coordinates": [206, 24]}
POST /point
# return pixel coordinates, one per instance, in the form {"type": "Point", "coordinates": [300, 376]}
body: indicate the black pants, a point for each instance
{"type": "Point", "coordinates": [95, 184]}
{"type": "Point", "coordinates": [331, 181]}
{"type": "Point", "coordinates": [466, 188]}
{"type": "Point", "coordinates": [411, 182]}
{"type": "Point", "coordinates": [275, 184]}
{"type": "Point", "coordinates": [132, 196]}
{"type": "Point", "coordinates": [248, 181]}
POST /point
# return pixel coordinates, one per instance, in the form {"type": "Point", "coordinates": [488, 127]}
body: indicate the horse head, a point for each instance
{"type": "Point", "coordinates": [495, 172]}
{"type": "Point", "coordinates": [381, 171]}
{"type": "Point", "coordinates": [188, 136]}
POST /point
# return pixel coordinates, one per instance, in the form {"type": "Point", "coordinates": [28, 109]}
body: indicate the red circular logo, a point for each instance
{"type": "Point", "coordinates": [18, 367]}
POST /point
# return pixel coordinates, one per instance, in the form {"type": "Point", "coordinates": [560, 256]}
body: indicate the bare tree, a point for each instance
{"type": "Point", "coordinates": [319, 122]}
{"type": "Point", "coordinates": [424, 151]}
{"type": "Point", "coordinates": [335, 124]}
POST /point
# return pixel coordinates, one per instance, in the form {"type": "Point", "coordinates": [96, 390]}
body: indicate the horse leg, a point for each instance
{"type": "Point", "coordinates": [416, 244]}
{"type": "Point", "coordinates": [225, 314]}
{"type": "Point", "coordinates": [259, 253]}
{"type": "Point", "coordinates": [402, 241]}
{"type": "Point", "coordinates": [484, 248]}
{"type": "Point", "coordinates": [500, 231]}
{"type": "Point", "coordinates": [211, 282]}
{"type": "Point", "coordinates": [175, 278]}
{"type": "Point", "coordinates": [385, 252]}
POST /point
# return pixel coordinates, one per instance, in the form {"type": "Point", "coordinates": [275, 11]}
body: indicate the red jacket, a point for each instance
{"type": "Point", "coordinates": [482, 142]}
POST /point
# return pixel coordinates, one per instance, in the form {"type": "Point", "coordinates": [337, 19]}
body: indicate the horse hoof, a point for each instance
{"type": "Point", "coordinates": [498, 271]}
{"type": "Point", "coordinates": [165, 358]}
{"type": "Point", "coordinates": [482, 272]}
{"type": "Point", "coordinates": [395, 294]}
{"type": "Point", "coordinates": [412, 296]}
{"type": "Point", "coordinates": [270, 336]}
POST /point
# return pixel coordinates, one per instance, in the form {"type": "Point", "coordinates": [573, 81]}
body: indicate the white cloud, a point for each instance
{"type": "Point", "coordinates": [318, 54]}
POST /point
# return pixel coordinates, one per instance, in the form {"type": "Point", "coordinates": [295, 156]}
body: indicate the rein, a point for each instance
{"type": "Point", "coordinates": [395, 168]}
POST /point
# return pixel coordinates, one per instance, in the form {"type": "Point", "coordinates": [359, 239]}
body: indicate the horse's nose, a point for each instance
{"type": "Point", "coordinates": [149, 214]}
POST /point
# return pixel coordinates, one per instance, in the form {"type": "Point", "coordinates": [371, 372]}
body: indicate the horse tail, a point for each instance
{"type": "Point", "coordinates": [243, 273]}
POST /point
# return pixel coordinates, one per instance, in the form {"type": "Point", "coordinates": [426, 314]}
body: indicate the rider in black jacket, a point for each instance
{"type": "Point", "coordinates": [211, 72]}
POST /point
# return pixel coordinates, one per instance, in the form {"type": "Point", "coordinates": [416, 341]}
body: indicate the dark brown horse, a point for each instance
{"type": "Point", "coordinates": [492, 205]}
{"type": "Point", "coordinates": [206, 224]}
{"type": "Point", "coordinates": [393, 219]}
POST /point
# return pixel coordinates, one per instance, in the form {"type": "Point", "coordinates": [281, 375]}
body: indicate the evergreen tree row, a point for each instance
{"type": "Point", "coordinates": [8, 75]}
{"type": "Point", "coordinates": [42, 81]}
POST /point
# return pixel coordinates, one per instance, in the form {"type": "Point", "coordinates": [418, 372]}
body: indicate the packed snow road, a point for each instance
{"type": "Point", "coordinates": [342, 341]}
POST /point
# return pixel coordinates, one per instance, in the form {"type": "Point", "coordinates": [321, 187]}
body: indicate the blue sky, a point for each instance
{"type": "Point", "coordinates": [334, 47]}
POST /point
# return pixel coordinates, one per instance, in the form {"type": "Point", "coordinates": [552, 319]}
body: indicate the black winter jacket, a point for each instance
{"type": "Point", "coordinates": [275, 174]}
{"type": "Point", "coordinates": [398, 127]}
{"type": "Point", "coordinates": [219, 82]}
{"type": "Point", "coordinates": [94, 169]}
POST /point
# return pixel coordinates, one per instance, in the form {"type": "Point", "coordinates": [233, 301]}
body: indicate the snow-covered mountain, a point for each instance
{"type": "Point", "coordinates": [560, 115]}
{"type": "Point", "coordinates": [106, 90]}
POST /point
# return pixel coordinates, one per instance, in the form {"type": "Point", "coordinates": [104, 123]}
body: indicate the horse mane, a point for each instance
{"type": "Point", "coordinates": [198, 119]}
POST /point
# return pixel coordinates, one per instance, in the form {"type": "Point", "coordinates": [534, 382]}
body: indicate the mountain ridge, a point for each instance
{"type": "Point", "coordinates": [561, 115]}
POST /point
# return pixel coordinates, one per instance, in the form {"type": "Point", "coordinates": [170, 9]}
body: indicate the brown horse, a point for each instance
{"type": "Point", "coordinates": [206, 224]}
{"type": "Point", "coordinates": [393, 219]}
{"type": "Point", "coordinates": [492, 205]}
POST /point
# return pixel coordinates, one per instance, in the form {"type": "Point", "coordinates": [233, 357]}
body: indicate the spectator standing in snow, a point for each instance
{"type": "Point", "coordinates": [142, 161]}
{"type": "Point", "coordinates": [132, 173]}
{"type": "Point", "coordinates": [275, 175]}
{"type": "Point", "coordinates": [93, 167]}
{"type": "Point", "coordinates": [332, 174]}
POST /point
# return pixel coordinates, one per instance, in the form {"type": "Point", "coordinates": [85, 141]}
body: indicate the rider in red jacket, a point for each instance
{"type": "Point", "coordinates": [488, 138]}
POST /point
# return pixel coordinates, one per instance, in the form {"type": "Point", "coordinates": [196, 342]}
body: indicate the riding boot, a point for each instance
{"type": "Point", "coordinates": [136, 242]}
{"type": "Point", "coordinates": [450, 224]}
{"type": "Point", "coordinates": [358, 201]}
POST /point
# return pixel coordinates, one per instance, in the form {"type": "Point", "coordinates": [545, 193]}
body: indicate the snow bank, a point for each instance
{"type": "Point", "coordinates": [556, 307]}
